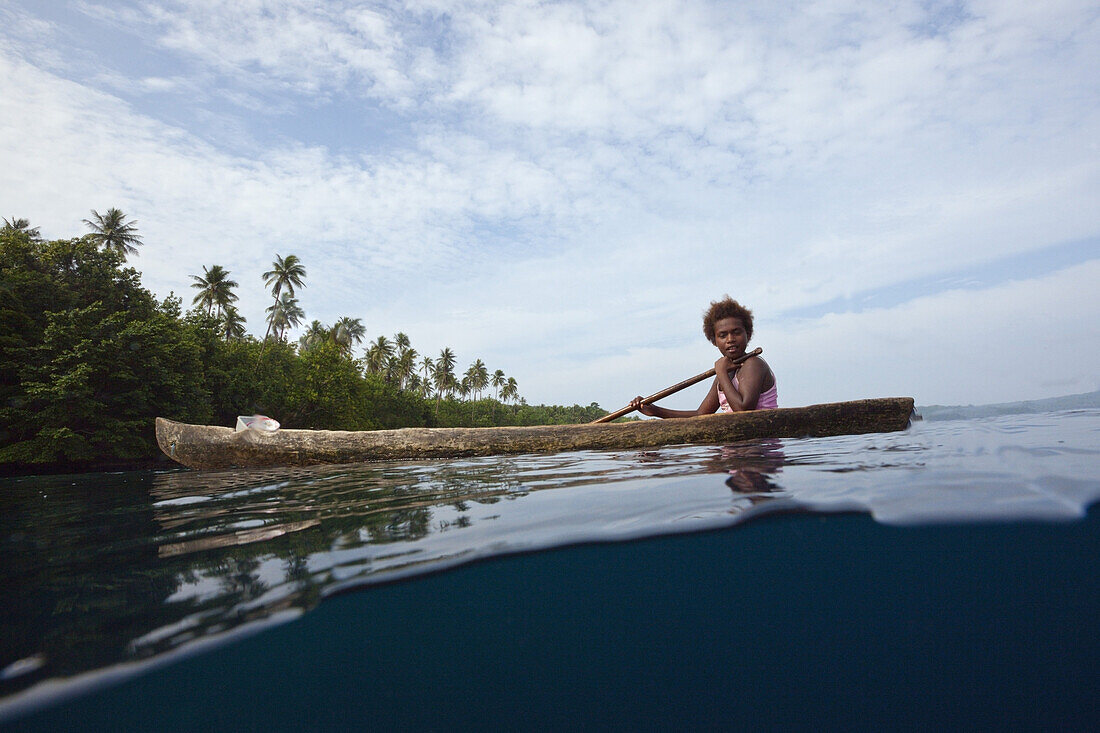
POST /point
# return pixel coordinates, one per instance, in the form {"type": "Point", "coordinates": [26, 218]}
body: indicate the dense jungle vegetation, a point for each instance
{"type": "Point", "coordinates": [88, 358]}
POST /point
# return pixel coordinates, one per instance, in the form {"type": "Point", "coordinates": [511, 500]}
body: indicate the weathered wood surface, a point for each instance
{"type": "Point", "coordinates": [204, 446]}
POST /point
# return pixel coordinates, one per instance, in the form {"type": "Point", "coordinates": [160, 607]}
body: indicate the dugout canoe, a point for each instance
{"type": "Point", "coordinates": [208, 446]}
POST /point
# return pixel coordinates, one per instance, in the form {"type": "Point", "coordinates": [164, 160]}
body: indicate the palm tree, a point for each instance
{"type": "Point", "coordinates": [497, 381]}
{"type": "Point", "coordinates": [392, 370]}
{"type": "Point", "coordinates": [399, 364]}
{"type": "Point", "coordinates": [16, 225]}
{"type": "Point", "coordinates": [284, 313]}
{"type": "Point", "coordinates": [285, 274]}
{"type": "Point", "coordinates": [113, 232]}
{"type": "Point", "coordinates": [479, 379]}
{"type": "Point", "coordinates": [405, 366]}
{"type": "Point", "coordinates": [274, 319]}
{"type": "Point", "coordinates": [427, 366]}
{"type": "Point", "coordinates": [401, 341]}
{"type": "Point", "coordinates": [443, 375]}
{"type": "Point", "coordinates": [379, 355]}
{"type": "Point", "coordinates": [317, 333]}
{"type": "Point", "coordinates": [232, 324]}
{"type": "Point", "coordinates": [510, 391]}
{"type": "Point", "coordinates": [347, 332]}
{"type": "Point", "coordinates": [293, 315]}
{"type": "Point", "coordinates": [215, 289]}
{"type": "Point", "coordinates": [207, 285]}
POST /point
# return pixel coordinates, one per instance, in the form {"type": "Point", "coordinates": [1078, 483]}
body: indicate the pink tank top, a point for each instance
{"type": "Point", "coordinates": [768, 400]}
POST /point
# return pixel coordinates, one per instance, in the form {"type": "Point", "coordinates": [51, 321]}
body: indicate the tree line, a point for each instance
{"type": "Point", "coordinates": [88, 357]}
{"type": "Point", "coordinates": [394, 360]}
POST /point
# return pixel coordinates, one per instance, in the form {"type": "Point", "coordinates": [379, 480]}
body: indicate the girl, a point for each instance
{"type": "Point", "coordinates": [749, 386]}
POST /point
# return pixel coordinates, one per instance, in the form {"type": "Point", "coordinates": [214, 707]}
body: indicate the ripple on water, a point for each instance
{"type": "Point", "coordinates": [118, 568]}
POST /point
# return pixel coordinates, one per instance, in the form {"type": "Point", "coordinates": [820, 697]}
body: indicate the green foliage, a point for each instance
{"type": "Point", "coordinates": [102, 375]}
{"type": "Point", "coordinates": [489, 413]}
{"type": "Point", "coordinates": [112, 232]}
{"type": "Point", "coordinates": [215, 289]}
{"type": "Point", "coordinates": [88, 359]}
{"type": "Point", "coordinates": [328, 391]}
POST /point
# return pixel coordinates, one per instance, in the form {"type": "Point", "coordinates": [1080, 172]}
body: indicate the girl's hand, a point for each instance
{"type": "Point", "coordinates": [725, 364]}
{"type": "Point", "coordinates": [645, 409]}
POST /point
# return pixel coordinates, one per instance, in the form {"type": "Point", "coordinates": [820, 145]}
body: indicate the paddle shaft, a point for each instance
{"type": "Point", "coordinates": [675, 388]}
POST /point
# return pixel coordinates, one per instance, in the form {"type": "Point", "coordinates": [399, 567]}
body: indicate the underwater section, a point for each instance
{"type": "Point", "coordinates": [106, 576]}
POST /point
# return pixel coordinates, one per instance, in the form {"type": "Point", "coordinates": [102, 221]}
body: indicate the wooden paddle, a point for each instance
{"type": "Point", "coordinates": [674, 388]}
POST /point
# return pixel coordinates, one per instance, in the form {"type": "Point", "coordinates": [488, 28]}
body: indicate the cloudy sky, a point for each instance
{"type": "Point", "coordinates": [907, 194]}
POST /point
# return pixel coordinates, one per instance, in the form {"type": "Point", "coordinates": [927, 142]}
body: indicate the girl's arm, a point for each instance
{"type": "Point", "coordinates": [750, 378]}
{"type": "Point", "coordinates": [708, 406]}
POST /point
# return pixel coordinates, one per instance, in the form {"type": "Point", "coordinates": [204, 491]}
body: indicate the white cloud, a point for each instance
{"type": "Point", "coordinates": [305, 47]}
{"type": "Point", "coordinates": [410, 213]}
{"type": "Point", "coordinates": [1025, 339]}
{"type": "Point", "coordinates": [1022, 340]}
{"type": "Point", "coordinates": [575, 180]}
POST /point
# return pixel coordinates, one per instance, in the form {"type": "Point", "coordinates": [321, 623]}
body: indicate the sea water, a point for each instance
{"type": "Point", "coordinates": [944, 575]}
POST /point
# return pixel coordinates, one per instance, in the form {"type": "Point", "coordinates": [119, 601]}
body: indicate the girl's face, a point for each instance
{"type": "Point", "coordinates": [730, 337]}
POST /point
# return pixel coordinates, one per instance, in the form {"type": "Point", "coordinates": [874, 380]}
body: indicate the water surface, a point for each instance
{"type": "Point", "coordinates": [105, 575]}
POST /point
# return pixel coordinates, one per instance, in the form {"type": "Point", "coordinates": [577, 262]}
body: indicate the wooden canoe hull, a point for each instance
{"type": "Point", "coordinates": [206, 446]}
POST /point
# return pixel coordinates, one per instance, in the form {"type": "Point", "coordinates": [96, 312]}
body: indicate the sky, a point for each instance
{"type": "Point", "coordinates": [906, 193]}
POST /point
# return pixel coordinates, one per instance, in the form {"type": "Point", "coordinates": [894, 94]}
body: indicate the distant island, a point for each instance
{"type": "Point", "coordinates": [89, 357]}
{"type": "Point", "coordinates": [1086, 400]}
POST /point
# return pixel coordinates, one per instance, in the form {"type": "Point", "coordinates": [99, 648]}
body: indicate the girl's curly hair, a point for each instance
{"type": "Point", "coordinates": [726, 308]}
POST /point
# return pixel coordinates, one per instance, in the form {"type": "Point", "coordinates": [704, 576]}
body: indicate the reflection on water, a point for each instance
{"type": "Point", "coordinates": [752, 466]}
{"type": "Point", "coordinates": [99, 570]}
